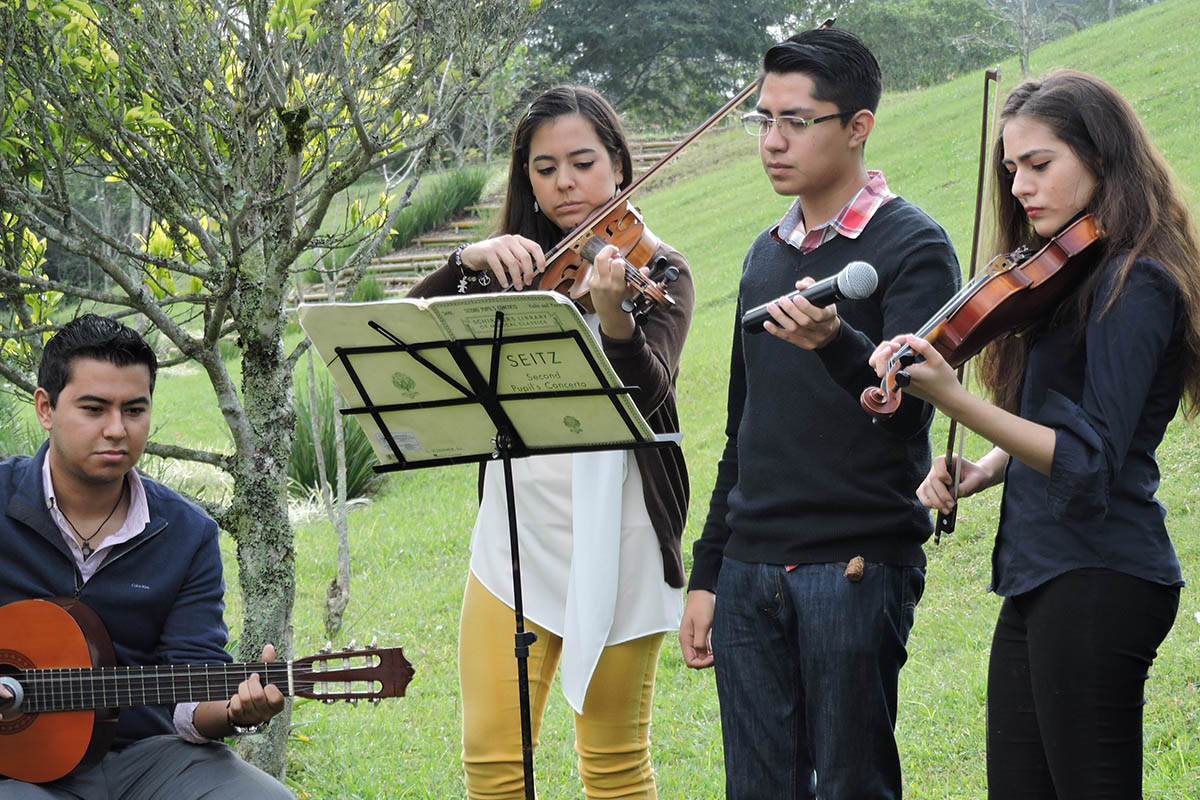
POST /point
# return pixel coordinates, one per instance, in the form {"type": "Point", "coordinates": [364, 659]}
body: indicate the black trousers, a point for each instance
{"type": "Point", "coordinates": [1065, 686]}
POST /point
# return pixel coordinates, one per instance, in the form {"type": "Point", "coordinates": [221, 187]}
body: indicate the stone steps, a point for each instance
{"type": "Point", "coordinates": [398, 272]}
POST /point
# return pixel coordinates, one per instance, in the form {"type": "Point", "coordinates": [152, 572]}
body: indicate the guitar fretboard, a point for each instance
{"type": "Point", "coordinates": [123, 687]}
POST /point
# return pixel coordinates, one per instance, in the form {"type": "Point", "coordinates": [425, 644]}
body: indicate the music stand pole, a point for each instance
{"type": "Point", "coordinates": [523, 638]}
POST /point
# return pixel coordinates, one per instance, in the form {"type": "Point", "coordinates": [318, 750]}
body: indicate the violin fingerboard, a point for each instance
{"type": "Point", "coordinates": [591, 247]}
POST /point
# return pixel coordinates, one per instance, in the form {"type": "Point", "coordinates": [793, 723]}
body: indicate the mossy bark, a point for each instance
{"type": "Point", "coordinates": [260, 524]}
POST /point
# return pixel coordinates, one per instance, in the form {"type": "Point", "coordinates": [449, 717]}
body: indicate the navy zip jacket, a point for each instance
{"type": "Point", "coordinates": [160, 595]}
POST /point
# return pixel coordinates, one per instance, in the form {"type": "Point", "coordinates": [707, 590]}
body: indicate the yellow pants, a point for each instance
{"type": "Point", "coordinates": [612, 735]}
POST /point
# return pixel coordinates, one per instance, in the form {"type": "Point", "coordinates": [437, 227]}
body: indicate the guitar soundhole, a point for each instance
{"type": "Point", "coordinates": [10, 662]}
{"type": "Point", "coordinates": [11, 726]}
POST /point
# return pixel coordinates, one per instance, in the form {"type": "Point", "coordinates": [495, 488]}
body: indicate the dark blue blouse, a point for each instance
{"type": "Point", "coordinates": [1109, 401]}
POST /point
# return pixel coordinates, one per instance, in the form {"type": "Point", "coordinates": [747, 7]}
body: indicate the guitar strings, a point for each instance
{"type": "Point", "coordinates": [61, 689]}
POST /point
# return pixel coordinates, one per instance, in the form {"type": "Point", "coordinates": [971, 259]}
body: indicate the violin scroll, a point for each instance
{"type": "Point", "coordinates": [882, 401]}
{"type": "Point", "coordinates": [879, 402]}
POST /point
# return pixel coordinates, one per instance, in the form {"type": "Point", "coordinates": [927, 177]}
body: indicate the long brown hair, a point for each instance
{"type": "Point", "coordinates": [1136, 203]}
{"type": "Point", "coordinates": [518, 215]}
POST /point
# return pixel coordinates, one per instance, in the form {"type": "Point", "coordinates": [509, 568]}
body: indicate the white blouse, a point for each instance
{"type": "Point", "coordinates": [588, 575]}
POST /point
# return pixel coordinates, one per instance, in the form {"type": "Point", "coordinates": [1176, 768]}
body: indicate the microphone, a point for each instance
{"type": "Point", "coordinates": [856, 281]}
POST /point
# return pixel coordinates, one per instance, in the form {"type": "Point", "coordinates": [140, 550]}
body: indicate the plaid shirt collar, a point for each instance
{"type": "Point", "coordinates": [849, 222]}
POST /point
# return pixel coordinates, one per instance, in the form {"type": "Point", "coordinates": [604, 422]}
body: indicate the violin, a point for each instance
{"type": "Point", "coordinates": [1015, 290]}
{"type": "Point", "coordinates": [568, 265]}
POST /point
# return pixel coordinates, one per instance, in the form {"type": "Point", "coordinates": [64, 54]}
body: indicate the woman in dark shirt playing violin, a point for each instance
{"type": "Point", "coordinates": [599, 533]}
{"type": "Point", "coordinates": [1082, 556]}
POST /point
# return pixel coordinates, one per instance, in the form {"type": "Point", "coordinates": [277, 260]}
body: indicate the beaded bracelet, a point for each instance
{"type": "Point", "coordinates": [468, 276]}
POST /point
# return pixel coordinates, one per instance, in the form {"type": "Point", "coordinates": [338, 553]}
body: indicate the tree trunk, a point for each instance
{"type": "Point", "coordinates": [259, 508]}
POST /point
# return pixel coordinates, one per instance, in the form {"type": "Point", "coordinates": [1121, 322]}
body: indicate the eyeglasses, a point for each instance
{"type": "Point", "coordinates": [760, 124]}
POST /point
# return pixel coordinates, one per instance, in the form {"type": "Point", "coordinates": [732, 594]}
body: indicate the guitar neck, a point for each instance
{"type": "Point", "coordinates": [92, 688]}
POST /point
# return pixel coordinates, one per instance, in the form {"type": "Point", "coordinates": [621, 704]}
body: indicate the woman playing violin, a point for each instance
{"type": "Point", "coordinates": [1082, 557]}
{"type": "Point", "coordinates": [599, 532]}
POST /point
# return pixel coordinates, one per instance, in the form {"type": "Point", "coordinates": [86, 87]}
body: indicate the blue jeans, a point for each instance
{"type": "Point", "coordinates": [807, 665]}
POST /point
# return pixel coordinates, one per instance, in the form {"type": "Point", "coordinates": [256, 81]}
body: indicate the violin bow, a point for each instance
{"type": "Point", "coordinates": [582, 229]}
{"type": "Point", "coordinates": [945, 522]}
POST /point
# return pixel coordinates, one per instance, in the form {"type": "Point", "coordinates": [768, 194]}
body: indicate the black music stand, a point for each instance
{"type": "Point", "coordinates": [472, 398]}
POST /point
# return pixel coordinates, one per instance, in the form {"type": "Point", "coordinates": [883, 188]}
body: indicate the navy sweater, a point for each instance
{"type": "Point", "coordinates": [806, 475]}
{"type": "Point", "coordinates": [160, 595]}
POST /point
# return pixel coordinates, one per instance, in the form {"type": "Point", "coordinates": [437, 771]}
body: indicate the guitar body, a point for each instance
{"type": "Point", "coordinates": [54, 633]}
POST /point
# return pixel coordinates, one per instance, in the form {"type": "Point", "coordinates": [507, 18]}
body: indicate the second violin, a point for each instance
{"type": "Point", "coordinates": [1016, 289]}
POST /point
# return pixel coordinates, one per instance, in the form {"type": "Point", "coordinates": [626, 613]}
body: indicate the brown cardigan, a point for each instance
{"type": "Point", "coordinates": [649, 362]}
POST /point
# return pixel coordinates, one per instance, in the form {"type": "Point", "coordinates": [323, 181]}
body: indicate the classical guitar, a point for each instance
{"type": "Point", "coordinates": [59, 653]}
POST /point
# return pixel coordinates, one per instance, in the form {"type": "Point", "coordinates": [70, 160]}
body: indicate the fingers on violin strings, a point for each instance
{"type": "Point", "coordinates": [613, 274]}
{"type": "Point", "coordinates": [606, 260]}
{"type": "Point", "coordinates": [536, 259]}
{"type": "Point", "coordinates": [520, 265]}
{"type": "Point", "coordinates": [923, 347]}
{"type": "Point", "coordinates": [621, 269]}
{"type": "Point", "coordinates": [496, 266]}
{"type": "Point", "coordinates": [879, 358]}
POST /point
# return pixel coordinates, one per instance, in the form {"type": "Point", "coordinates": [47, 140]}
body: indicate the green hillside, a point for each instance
{"type": "Point", "coordinates": [410, 547]}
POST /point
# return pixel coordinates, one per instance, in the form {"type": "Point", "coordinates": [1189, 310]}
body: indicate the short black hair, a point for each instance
{"type": "Point", "coordinates": [96, 337]}
{"type": "Point", "coordinates": [843, 70]}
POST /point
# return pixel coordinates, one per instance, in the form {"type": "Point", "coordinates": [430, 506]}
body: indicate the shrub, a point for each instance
{"type": "Point", "coordinates": [302, 466]}
{"type": "Point", "coordinates": [368, 289]}
{"type": "Point", "coordinates": [437, 203]}
{"type": "Point", "coordinates": [19, 435]}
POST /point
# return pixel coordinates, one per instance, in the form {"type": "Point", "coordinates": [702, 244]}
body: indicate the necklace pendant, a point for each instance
{"type": "Point", "coordinates": [87, 551]}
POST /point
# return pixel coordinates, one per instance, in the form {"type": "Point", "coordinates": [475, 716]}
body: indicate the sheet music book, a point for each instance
{"type": "Point", "coordinates": [432, 416]}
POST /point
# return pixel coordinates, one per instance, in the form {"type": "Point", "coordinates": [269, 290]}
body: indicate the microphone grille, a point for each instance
{"type": "Point", "coordinates": [857, 280]}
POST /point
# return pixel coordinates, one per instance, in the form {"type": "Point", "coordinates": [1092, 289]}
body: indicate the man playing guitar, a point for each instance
{"type": "Point", "coordinates": [79, 522]}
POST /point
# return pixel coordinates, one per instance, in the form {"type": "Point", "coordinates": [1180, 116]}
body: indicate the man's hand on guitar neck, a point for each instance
{"type": "Point", "coordinates": [254, 704]}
